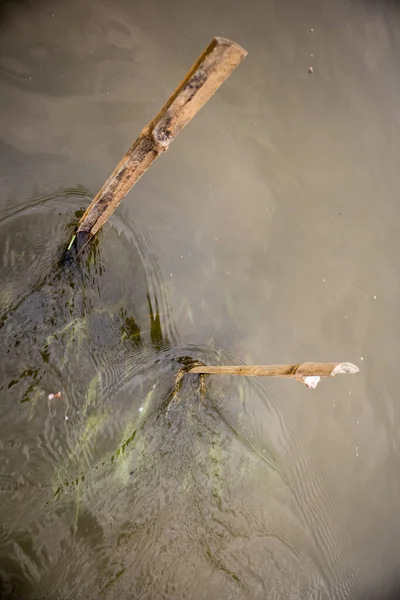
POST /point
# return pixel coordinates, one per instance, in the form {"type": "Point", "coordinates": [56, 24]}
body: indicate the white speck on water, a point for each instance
{"type": "Point", "coordinates": [66, 418]}
{"type": "Point", "coordinates": [141, 409]}
{"type": "Point", "coordinates": [312, 55]}
{"type": "Point", "coordinates": [312, 30]}
{"type": "Point", "coordinates": [358, 422]}
{"type": "Point", "coordinates": [349, 392]}
{"type": "Point", "coordinates": [264, 451]}
{"type": "Point", "coordinates": [361, 358]}
{"type": "Point", "coordinates": [345, 316]}
{"type": "Point", "coordinates": [374, 297]}
{"type": "Point", "coordinates": [171, 274]}
{"type": "Point", "coordinates": [324, 280]}
{"type": "Point", "coordinates": [181, 256]}
{"type": "Point", "coordinates": [52, 16]}
{"type": "Point", "coordinates": [356, 453]}
{"type": "Point", "coordinates": [30, 77]}
{"type": "Point", "coordinates": [108, 93]}
{"type": "Point", "coordinates": [333, 405]}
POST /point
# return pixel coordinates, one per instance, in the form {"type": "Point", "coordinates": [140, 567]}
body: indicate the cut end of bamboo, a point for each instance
{"type": "Point", "coordinates": [224, 41]}
{"type": "Point", "coordinates": [344, 369]}
{"type": "Point", "coordinates": [310, 373]}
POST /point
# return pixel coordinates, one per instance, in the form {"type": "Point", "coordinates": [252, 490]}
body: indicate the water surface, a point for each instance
{"type": "Point", "coordinates": [267, 234]}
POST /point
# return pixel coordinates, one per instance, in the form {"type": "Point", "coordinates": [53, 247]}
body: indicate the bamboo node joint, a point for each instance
{"type": "Point", "coordinates": [162, 132]}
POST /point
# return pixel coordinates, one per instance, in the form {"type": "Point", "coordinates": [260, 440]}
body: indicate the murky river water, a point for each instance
{"type": "Point", "coordinates": [267, 234]}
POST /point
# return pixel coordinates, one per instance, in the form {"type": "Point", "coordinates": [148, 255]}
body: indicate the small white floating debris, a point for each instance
{"type": "Point", "coordinates": [312, 381]}
{"type": "Point", "coordinates": [141, 409]}
{"type": "Point", "coordinates": [53, 396]}
{"type": "Point", "coordinates": [311, 71]}
{"type": "Point", "coordinates": [66, 418]}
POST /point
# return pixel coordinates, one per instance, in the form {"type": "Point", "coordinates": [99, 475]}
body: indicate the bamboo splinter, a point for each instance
{"type": "Point", "coordinates": [213, 67]}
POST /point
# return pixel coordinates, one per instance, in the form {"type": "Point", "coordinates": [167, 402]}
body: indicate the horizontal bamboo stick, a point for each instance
{"type": "Point", "coordinates": [308, 372]}
{"type": "Point", "coordinates": [213, 67]}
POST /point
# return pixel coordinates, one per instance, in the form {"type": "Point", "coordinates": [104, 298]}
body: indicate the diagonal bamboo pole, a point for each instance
{"type": "Point", "coordinates": [213, 67]}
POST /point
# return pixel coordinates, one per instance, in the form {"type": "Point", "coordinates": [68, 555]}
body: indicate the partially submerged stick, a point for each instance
{"type": "Point", "coordinates": [308, 373]}
{"type": "Point", "coordinates": [216, 63]}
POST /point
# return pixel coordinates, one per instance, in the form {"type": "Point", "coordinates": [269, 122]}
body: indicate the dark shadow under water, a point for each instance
{"type": "Point", "coordinates": [111, 478]}
{"type": "Point", "coordinates": [98, 331]}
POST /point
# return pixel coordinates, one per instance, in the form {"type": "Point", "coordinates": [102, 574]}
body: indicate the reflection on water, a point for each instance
{"type": "Point", "coordinates": [267, 234]}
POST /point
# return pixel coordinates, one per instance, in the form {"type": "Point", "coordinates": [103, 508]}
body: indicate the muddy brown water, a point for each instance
{"type": "Point", "coordinates": [268, 233]}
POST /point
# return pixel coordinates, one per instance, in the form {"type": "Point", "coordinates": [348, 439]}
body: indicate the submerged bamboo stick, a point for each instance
{"type": "Point", "coordinates": [213, 67]}
{"type": "Point", "coordinates": [308, 373]}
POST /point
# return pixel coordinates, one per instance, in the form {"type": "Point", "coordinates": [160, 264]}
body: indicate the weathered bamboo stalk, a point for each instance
{"type": "Point", "coordinates": [308, 373]}
{"type": "Point", "coordinates": [308, 369]}
{"type": "Point", "coordinates": [213, 67]}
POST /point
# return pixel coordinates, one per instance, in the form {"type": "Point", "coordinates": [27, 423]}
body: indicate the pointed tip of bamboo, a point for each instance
{"type": "Point", "coordinates": [345, 368]}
